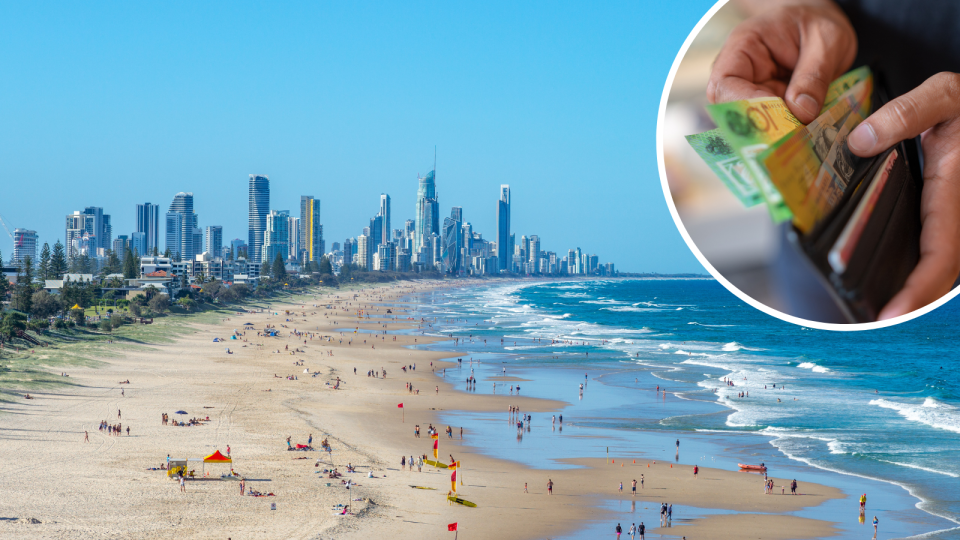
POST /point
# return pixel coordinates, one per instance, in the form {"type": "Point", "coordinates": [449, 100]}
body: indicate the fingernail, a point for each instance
{"type": "Point", "coordinates": [807, 103]}
{"type": "Point", "coordinates": [863, 138]}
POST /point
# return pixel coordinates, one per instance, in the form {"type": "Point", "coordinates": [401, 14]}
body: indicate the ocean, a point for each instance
{"type": "Point", "coordinates": [881, 407]}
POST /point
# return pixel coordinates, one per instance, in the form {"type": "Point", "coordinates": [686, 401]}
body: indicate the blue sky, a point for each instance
{"type": "Point", "coordinates": [118, 103]}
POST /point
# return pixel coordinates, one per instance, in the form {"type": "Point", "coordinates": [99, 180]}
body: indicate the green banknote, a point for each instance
{"type": "Point", "coordinates": [844, 83]}
{"type": "Point", "coordinates": [750, 126]}
{"type": "Point", "coordinates": [726, 164]}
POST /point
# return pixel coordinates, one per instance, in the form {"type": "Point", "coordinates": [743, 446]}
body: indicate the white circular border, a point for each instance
{"type": "Point", "coordinates": [703, 260]}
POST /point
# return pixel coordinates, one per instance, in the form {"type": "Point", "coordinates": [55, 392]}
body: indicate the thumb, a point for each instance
{"type": "Point", "coordinates": [827, 50]}
{"type": "Point", "coordinates": [936, 100]}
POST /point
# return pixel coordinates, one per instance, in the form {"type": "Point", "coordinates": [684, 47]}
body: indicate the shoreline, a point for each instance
{"type": "Point", "coordinates": [361, 415]}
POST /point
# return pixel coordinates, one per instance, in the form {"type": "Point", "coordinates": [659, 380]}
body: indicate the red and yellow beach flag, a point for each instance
{"type": "Point", "coordinates": [453, 475]}
{"type": "Point", "coordinates": [435, 436]}
{"type": "Point", "coordinates": [436, 446]}
{"type": "Point", "coordinates": [452, 527]}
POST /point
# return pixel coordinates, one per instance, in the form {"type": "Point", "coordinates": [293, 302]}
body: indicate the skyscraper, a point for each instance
{"type": "Point", "coordinates": [96, 227]}
{"type": "Point", "coordinates": [311, 230]}
{"type": "Point", "coordinates": [385, 214]}
{"type": "Point", "coordinates": [428, 210]}
{"type": "Point", "coordinates": [376, 232]}
{"type": "Point", "coordinates": [276, 237]}
{"type": "Point", "coordinates": [24, 245]}
{"type": "Point", "coordinates": [148, 221]}
{"type": "Point", "coordinates": [293, 240]}
{"type": "Point", "coordinates": [215, 240]}
{"type": "Point", "coordinates": [504, 249]}
{"type": "Point", "coordinates": [452, 240]}
{"type": "Point", "coordinates": [364, 257]}
{"type": "Point", "coordinates": [138, 243]}
{"type": "Point", "coordinates": [74, 233]}
{"type": "Point", "coordinates": [259, 208]}
{"type": "Point", "coordinates": [174, 238]}
{"type": "Point", "coordinates": [183, 205]}
{"type": "Point", "coordinates": [121, 245]}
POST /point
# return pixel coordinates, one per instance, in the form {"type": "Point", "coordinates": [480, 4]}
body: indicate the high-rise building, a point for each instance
{"type": "Point", "coordinates": [364, 257]}
{"type": "Point", "coordinates": [276, 237]}
{"type": "Point", "coordinates": [174, 238]}
{"type": "Point", "coordinates": [148, 223]}
{"type": "Point", "coordinates": [335, 246]}
{"type": "Point", "coordinates": [349, 248]}
{"type": "Point", "coordinates": [24, 245]}
{"type": "Point", "coordinates": [293, 241]}
{"type": "Point", "coordinates": [121, 245]}
{"type": "Point", "coordinates": [214, 240]}
{"type": "Point", "coordinates": [376, 232]}
{"type": "Point", "coordinates": [311, 230]}
{"type": "Point", "coordinates": [533, 249]}
{"type": "Point", "coordinates": [504, 247]}
{"type": "Point", "coordinates": [385, 222]}
{"type": "Point", "coordinates": [97, 229]}
{"type": "Point", "coordinates": [386, 257]}
{"type": "Point", "coordinates": [138, 243]}
{"type": "Point", "coordinates": [428, 209]}
{"type": "Point", "coordinates": [74, 233]}
{"type": "Point", "coordinates": [452, 241]}
{"type": "Point", "coordinates": [239, 249]}
{"type": "Point", "coordinates": [188, 232]}
{"type": "Point", "coordinates": [259, 208]}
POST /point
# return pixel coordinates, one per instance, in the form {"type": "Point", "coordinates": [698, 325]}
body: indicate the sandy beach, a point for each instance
{"type": "Point", "coordinates": [57, 485]}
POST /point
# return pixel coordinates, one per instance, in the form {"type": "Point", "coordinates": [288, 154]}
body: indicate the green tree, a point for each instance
{"type": "Point", "coordinates": [45, 304]}
{"type": "Point", "coordinates": [58, 262]}
{"type": "Point", "coordinates": [78, 316]}
{"type": "Point", "coordinates": [131, 269]}
{"type": "Point", "coordinates": [43, 269]}
{"type": "Point", "coordinates": [279, 271]}
{"type": "Point", "coordinates": [12, 323]}
{"type": "Point", "coordinates": [186, 303]}
{"type": "Point", "coordinates": [113, 264]}
{"type": "Point", "coordinates": [168, 254]}
{"type": "Point", "coordinates": [265, 270]}
{"type": "Point", "coordinates": [23, 292]}
{"type": "Point", "coordinates": [4, 283]}
{"type": "Point", "coordinates": [325, 267]}
{"type": "Point", "coordinates": [159, 303]}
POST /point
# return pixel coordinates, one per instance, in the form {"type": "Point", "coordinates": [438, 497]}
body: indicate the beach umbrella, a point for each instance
{"type": "Point", "coordinates": [181, 412]}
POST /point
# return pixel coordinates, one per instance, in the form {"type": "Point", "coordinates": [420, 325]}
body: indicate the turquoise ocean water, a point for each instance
{"type": "Point", "coordinates": [875, 411]}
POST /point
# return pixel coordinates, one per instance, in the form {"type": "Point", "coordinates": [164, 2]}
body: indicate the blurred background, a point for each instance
{"type": "Point", "coordinates": [743, 244]}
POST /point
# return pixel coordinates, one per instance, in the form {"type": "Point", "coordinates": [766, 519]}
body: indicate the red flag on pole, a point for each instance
{"type": "Point", "coordinates": [400, 406]}
{"type": "Point", "coordinates": [452, 527]}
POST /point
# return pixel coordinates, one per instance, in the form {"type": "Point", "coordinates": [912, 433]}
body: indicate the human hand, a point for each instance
{"type": "Point", "coordinates": [792, 51]}
{"type": "Point", "coordinates": [931, 109]}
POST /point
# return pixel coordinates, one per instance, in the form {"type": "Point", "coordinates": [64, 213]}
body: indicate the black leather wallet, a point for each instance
{"type": "Point", "coordinates": [865, 248]}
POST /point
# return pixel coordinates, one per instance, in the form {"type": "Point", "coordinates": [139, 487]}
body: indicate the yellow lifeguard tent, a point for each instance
{"type": "Point", "coordinates": [76, 306]}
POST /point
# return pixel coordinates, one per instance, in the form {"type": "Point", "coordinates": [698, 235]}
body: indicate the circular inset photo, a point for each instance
{"type": "Point", "coordinates": [792, 173]}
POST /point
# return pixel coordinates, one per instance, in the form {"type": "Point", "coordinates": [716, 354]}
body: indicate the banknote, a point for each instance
{"type": "Point", "coordinates": [795, 163]}
{"type": "Point", "coordinates": [750, 126]}
{"type": "Point", "coordinates": [842, 84]}
{"type": "Point", "coordinates": [726, 164]}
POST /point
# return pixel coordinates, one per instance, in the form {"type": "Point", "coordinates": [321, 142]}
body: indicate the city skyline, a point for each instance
{"type": "Point", "coordinates": [455, 248]}
{"type": "Point", "coordinates": [324, 107]}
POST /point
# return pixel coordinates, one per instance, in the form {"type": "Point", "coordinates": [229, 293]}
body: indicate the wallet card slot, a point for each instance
{"type": "Point", "coordinates": [888, 249]}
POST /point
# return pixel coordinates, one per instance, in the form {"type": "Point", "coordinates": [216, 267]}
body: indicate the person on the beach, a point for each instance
{"type": "Point", "coordinates": [183, 486]}
{"type": "Point", "coordinates": [641, 530]}
{"type": "Point", "coordinates": [525, 488]}
{"type": "Point", "coordinates": [550, 487]}
{"type": "Point", "coordinates": [695, 471]}
{"type": "Point", "coordinates": [633, 488]}
{"type": "Point", "coordinates": [863, 504]}
{"type": "Point", "coordinates": [621, 487]}
{"type": "Point", "coordinates": [875, 523]}
{"type": "Point", "coordinates": [633, 530]}
{"type": "Point", "coordinates": [793, 487]}
{"type": "Point", "coordinates": [641, 481]}
{"type": "Point", "coordinates": [86, 437]}
{"type": "Point", "coordinates": [670, 512]}
{"type": "Point", "coordinates": [619, 530]}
